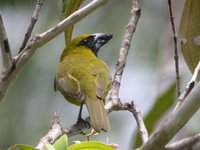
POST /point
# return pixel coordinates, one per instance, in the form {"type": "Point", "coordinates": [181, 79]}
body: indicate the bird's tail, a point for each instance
{"type": "Point", "coordinates": [98, 114]}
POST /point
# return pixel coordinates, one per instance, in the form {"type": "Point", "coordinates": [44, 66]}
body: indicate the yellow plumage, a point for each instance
{"type": "Point", "coordinates": [83, 77]}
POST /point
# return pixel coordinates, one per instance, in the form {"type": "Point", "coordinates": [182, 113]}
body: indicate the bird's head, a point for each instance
{"type": "Point", "coordinates": [92, 41]}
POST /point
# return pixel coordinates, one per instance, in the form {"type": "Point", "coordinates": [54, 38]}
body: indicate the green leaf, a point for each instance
{"type": "Point", "coordinates": [61, 143]}
{"type": "Point", "coordinates": [190, 33]}
{"type": "Point", "coordinates": [70, 6]}
{"type": "Point", "coordinates": [161, 105]}
{"type": "Point", "coordinates": [22, 147]}
{"type": "Point", "coordinates": [49, 147]}
{"type": "Point", "coordinates": [91, 145]}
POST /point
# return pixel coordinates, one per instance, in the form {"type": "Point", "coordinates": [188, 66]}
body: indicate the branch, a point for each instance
{"type": "Point", "coordinates": [114, 100]}
{"type": "Point", "coordinates": [114, 103]}
{"type": "Point", "coordinates": [53, 134]}
{"type": "Point", "coordinates": [5, 48]}
{"type": "Point", "coordinates": [138, 117]}
{"type": "Point", "coordinates": [176, 57]}
{"type": "Point", "coordinates": [131, 107]}
{"type": "Point", "coordinates": [186, 143]}
{"type": "Point", "coordinates": [57, 130]}
{"type": "Point", "coordinates": [174, 123]}
{"type": "Point", "coordinates": [40, 39]}
{"type": "Point", "coordinates": [189, 87]}
{"type": "Point", "coordinates": [34, 19]}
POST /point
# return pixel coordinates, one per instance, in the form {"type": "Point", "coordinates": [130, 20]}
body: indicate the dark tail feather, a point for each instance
{"type": "Point", "coordinates": [98, 114]}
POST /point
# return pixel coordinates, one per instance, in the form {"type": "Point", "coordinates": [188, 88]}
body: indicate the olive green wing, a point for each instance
{"type": "Point", "coordinates": [103, 83]}
{"type": "Point", "coordinates": [70, 85]}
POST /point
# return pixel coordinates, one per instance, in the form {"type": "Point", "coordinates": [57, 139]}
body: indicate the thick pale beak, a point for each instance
{"type": "Point", "coordinates": [100, 39]}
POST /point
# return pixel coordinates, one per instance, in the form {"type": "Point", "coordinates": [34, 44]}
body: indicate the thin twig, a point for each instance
{"type": "Point", "coordinates": [186, 143]}
{"type": "Point", "coordinates": [5, 48]}
{"type": "Point", "coordinates": [130, 29]}
{"type": "Point", "coordinates": [34, 19]}
{"type": "Point", "coordinates": [189, 87]}
{"type": "Point", "coordinates": [132, 107]}
{"type": "Point", "coordinates": [40, 39]}
{"type": "Point", "coordinates": [166, 131]}
{"type": "Point", "coordinates": [176, 57]}
{"type": "Point", "coordinates": [140, 123]}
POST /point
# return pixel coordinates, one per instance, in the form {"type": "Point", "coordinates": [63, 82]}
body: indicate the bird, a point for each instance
{"type": "Point", "coordinates": [83, 78]}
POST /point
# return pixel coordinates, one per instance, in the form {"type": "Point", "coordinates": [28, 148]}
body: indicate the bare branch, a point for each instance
{"type": "Point", "coordinates": [138, 117]}
{"type": "Point", "coordinates": [114, 103]}
{"type": "Point", "coordinates": [130, 29]}
{"type": "Point", "coordinates": [40, 39]}
{"type": "Point", "coordinates": [132, 107]}
{"type": "Point", "coordinates": [34, 19]}
{"type": "Point", "coordinates": [189, 87]}
{"type": "Point", "coordinates": [5, 48]}
{"type": "Point", "coordinates": [176, 57]}
{"type": "Point", "coordinates": [77, 128]}
{"type": "Point", "coordinates": [174, 123]}
{"type": "Point", "coordinates": [53, 134]}
{"type": "Point", "coordinates": [186, 143]}
{"type": "Point", "coordinates": [57, 130]}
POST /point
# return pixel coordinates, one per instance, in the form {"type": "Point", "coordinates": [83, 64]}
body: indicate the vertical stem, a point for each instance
{"type": "Point", "coordinates": [188, 88]}
{"type": "Point", "coordinates": [34, 19]}
{"type": "Point", "coordinates": [5, 48]}
{"type": "Point", "coordinates": [121, 62]}
{"type": "Point", "coordinates": [176, 57]}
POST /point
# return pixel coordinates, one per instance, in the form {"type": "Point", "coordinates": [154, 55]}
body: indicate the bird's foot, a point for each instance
{"type": "Point", "coordinates": [92, 132]}
{"type": "Point", "coordinates": [80, 120]}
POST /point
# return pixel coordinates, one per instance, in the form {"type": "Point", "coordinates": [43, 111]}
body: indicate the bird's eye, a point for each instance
{"type": "Point", "coordinates": [102, 40]}
{"type": "Point", "coordinates": [88, 41]}
{"type": "Point", "coordinates": [85, 40]}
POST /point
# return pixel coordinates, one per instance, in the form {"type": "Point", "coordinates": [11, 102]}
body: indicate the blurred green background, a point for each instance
{"type": "Point", "coordinates": [29, 104]}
